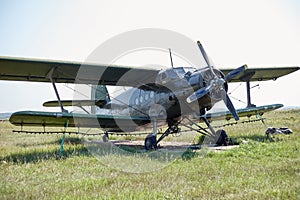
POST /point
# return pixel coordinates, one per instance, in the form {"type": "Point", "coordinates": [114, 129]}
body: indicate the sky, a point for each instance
{"type": "Point", "coordinates": [234, 32]}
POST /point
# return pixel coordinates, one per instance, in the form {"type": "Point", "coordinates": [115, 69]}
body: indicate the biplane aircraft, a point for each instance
{"type": "Point", "coordinates": [173, 97]}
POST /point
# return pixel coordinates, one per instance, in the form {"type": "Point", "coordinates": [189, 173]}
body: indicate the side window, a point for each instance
{"type": "Point", "coordinates": [137, 101]}
{"type": "Point", "coordinates": [162, 95]}
{"type": "Point", "coordinates": [146, 96]}
{"type": "Point", "coordinates": [151, 94]}
{"type": "Point", "coordinates": [141, 98]}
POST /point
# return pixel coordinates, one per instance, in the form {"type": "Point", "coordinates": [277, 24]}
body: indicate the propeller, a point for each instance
{"type": "Point", "coordinates": [217, 85]}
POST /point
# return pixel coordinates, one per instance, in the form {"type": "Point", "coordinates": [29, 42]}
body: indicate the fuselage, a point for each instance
{"type": "Point", "coordinates": [167, 96]}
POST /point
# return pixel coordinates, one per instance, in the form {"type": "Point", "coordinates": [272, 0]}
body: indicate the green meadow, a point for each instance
{"type": "Point", "coordinates": [32, 167]}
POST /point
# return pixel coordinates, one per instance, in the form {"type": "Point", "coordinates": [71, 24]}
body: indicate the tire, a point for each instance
{"type": "Point", "coordinates": [223, 138]}
{"type": "Point", "coordinates": [105, 138]}
{"type": "Point", "coordinates": [150, 142]}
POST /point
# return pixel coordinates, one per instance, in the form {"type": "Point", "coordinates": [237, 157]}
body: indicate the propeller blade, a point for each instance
{"type": "Point", "coordinates": [198, 94]}
{"type": "Point", "coordinates": [203, 91]}
{"type": "Point", "coordinates": [229, 105]}
{"type": "Point", "coordinates": [203, 53]}
{"type": "Point", "coordinates": [235, 72]}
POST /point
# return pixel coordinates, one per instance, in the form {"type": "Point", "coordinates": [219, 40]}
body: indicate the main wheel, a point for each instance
{"type": "Point", "coordinates": [150, 142]}
{"type": "Point", "coordinates": [105, 137]}
{"type": "Point", "coordinates": [223, 138]}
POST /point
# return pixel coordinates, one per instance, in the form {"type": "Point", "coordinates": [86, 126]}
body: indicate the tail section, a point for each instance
{"type": "Point", "coordinates": [99, 93]}
{"type": "Point", "coordinates": [99, 98]}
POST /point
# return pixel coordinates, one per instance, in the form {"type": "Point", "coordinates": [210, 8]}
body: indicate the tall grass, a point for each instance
{"type": "Point", "coordinates": [31, 167]}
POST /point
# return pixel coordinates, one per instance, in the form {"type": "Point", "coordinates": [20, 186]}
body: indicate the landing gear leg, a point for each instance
{"type": "Point", "coordinates": [150, 141]}
{"type": "Point", "coordinates": [212, 130]}
{"type": "Point", "coordinates": [173, 128]}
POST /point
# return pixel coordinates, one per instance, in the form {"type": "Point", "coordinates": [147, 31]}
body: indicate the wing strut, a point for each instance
{"type": "Point", "coordinates": [50, 76]}
{"type": "Point", "coordinates": [249, 104]}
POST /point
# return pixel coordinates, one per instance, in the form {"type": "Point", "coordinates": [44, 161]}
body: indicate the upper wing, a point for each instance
{"type": "Point", "coordinates": [261, 74]}
{"type": "Point", "coordinates": [37, 70]}
{"type": "Point", "coordinates": [22, 69]}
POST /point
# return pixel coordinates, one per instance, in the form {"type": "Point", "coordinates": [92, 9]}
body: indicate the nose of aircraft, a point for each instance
{"type": "Point", "coordinates": [207, 83]}
{"type": "Point", "coordinates": [216, 84]}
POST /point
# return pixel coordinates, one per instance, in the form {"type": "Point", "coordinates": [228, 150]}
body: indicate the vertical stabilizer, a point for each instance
{"type": "Point", "coordinates": [99, 92]}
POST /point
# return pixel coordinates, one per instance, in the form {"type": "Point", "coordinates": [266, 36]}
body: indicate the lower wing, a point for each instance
{"type": "Point", "coordinates": [60, 119]}
{"type": "Point", "coordinates": [244, 112]}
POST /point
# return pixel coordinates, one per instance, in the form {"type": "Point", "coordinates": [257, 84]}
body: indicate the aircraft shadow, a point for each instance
{"type": "Point", "coordinates": [256, 137]}
{"type": "Point", "coordinates": [36, 155]}
{"type": "Point", "coordinates": [68, 140]}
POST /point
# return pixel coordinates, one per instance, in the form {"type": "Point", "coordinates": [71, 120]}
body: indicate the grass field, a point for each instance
{"type": "Point", "coordinates": [31, 167]}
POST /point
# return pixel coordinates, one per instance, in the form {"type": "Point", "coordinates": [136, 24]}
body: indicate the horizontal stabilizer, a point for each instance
{"type": "Point", "coordinates": [78, 103]}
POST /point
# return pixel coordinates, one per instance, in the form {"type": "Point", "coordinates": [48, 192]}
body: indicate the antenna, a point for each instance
{"type": "Point", "coordinates": [171, 58]}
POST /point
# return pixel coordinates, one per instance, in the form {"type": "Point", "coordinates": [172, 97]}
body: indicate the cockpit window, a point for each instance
{"type": "Point", "coordinates": [189, 69]}
{"type": "Point", "coordinates": [172, 74]}
{"type": "Point", "coordinates": [179, 71]}
{"type": "Point", "coordinates": [175, 73]}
